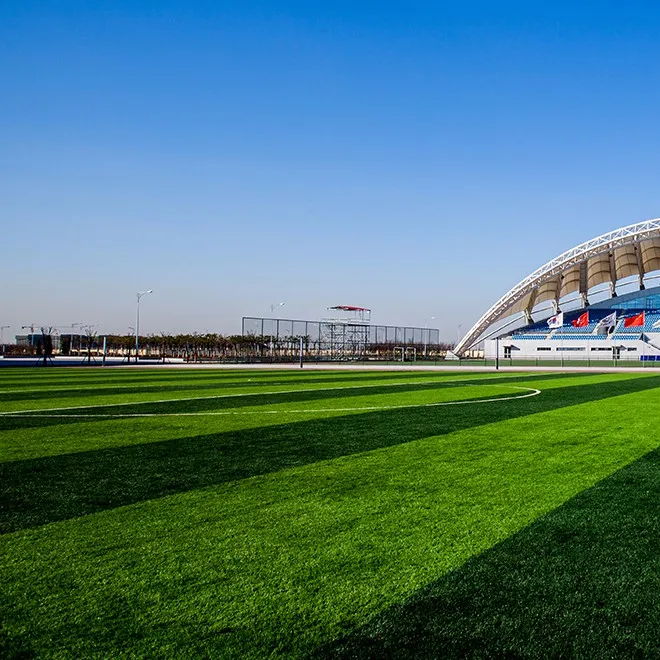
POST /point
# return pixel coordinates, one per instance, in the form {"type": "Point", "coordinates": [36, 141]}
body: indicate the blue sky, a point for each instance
{"type": "Point", "coordinates": [416, 158]}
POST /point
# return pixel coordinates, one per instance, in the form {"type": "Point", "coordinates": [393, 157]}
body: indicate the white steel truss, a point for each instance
{"type": "Point", "coordinates": [630, 235]}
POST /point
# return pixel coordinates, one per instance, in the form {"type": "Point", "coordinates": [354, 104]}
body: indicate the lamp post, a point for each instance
{"type": "Point", "coordinates": [138, 295]}
{"type": "Point", "coordinates": [458, 333]}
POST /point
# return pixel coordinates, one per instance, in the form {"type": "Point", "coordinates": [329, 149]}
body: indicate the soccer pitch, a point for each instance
{"type": "Point", "coordinates": [264, 513]}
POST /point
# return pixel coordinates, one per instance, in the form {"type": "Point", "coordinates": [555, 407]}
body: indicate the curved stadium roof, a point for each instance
{"type": "Point", "coordinates": [630, 251]}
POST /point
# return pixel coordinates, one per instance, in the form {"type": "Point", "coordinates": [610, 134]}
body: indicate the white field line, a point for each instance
{"type": "Point", "coordinates": [531, 391]}
{"type": "Point", "coordinates": [226, 396]}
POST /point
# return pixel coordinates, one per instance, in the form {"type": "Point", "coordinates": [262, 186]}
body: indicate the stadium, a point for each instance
{"type": "Point", "coordinates": [598, 301]}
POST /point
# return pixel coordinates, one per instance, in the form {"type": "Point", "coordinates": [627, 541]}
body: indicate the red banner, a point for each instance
{"type": "Point", "coordinates": [633, 321]}
{"type": "Point", "coordinates": [581, 321]}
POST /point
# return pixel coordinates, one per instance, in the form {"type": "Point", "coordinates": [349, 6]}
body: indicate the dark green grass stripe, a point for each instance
{"type": "Point", "coordinates": [38, 491]}
{"type": "Point", "coordinates": [581, 582]}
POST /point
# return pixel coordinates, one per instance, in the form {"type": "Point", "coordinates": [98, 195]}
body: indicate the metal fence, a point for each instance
{"type": "Point", "coordinates": [343, 340]}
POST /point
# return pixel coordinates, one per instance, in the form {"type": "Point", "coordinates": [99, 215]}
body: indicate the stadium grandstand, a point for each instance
{"type": "Point", "coordinates": [600, 299]}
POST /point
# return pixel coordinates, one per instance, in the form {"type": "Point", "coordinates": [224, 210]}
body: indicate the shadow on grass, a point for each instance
{"type": "Point", "coordinates": [581, 582]}
{"type": "Point", "coordinates": [38, 491]}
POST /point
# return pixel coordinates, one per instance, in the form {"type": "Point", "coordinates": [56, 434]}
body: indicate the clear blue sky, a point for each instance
{"type": "Point", "coordinates": [418, 158]}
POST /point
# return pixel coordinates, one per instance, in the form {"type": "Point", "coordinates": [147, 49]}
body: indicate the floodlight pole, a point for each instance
{"type": "Point", "coordinates": [138, 295]}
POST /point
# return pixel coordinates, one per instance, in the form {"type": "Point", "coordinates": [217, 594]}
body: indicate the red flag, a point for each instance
{"type": "Point", "coordinates": [581, 321]}
{"type": "Point", "coordinates": [632, 321]}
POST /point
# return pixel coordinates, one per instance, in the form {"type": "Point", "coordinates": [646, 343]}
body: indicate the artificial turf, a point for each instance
{"type": "Point", "coordinates": [286, 513]}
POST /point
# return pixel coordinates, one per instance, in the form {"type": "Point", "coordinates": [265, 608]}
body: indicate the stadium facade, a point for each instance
{"type": "Point", "coordinates": [598, 300]}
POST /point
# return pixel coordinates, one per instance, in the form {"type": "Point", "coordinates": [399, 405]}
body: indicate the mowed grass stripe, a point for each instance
{"type": "Point", "coordinates": [283, 563]}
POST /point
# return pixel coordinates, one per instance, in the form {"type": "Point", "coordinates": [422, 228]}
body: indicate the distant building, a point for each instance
{"type": "Point", "coordinates": [61, 343]}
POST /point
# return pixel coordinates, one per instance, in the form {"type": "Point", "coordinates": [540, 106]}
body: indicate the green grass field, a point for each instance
{"type": "Point", "coordinates": [245, 513]}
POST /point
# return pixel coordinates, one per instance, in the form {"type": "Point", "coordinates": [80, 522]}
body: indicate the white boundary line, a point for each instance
{"type": "Point", "coordinates": [531, 391]}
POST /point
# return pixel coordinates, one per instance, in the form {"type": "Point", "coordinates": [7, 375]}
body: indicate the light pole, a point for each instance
{"type": "Point", "coordinates": [138, 295]}
{"type": "Point", "coordinates": [458, 333]}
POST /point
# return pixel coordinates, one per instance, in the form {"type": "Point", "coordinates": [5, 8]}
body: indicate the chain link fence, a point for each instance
{"type": "Point", "coordinates": [343, 340]}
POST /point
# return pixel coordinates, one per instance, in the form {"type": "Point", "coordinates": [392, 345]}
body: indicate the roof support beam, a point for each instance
{"type": "Point", "coordinates": [640, 265]}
